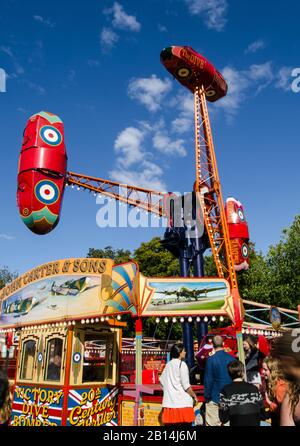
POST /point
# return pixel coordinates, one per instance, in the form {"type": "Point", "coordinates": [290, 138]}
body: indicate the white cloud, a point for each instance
{"type": "Point", "coordinates": [164, 144]}
{"type": "Point", "coordinates": [284, 79]}
{"type": "Point", "coordinates": [238, 84]}
{"type": "Point", "coordinates": [46, 22]}
{"type": "Point", "coordinates": [149, 91]}
{"type": "Point", "coordinates": [242, 84]}
{"type": "Point", "coordinates": [213, 11]}
{"type": "Point", "coordinates": [181, 125]}
{"type": "Point", "coordinates": [137, 166]}
{"type": "Point", "coordinates": [147, 175]}
{"type": "Point", "coordinates": [17, 66]}
{"type": "Point", "coordinates": [261, 72]}
{"type": "Point", "coordinates": [132, 165]}
{"type": "Point", "coordinates": [255, 46]}
{"type": "Point", "coordinates": [6, 237]}
{"type": "Point", "coordinates": [38, 88]}
{"type": "Point", "coordinates": [184, 102]}
{"type": "Point", "coordinates": [128, 146]}
{"type": "Point", "coordinates": [19, 70]}
{"type": "Point", "coordinates": [108, 39]}
{"type": "Point", "coordinates": [187, 104]}
{"type": "Point", "coordinates": [122, 20]}
{"type": "Point", "coordinates": [246, 83]}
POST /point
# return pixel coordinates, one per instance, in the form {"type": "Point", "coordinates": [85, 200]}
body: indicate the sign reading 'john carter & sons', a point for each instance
{"type": "Point", "coordinates": [69, 288]}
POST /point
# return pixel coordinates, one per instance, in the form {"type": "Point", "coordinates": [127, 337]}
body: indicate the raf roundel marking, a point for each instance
{"type": "Point", "coordinates": [47, 192]}
{"type": "Point", "coordinates": [210, 93]}
{"type": "Point", "coordinates": [184, 72]}
{"type": "Point", "coordinates": [50, 135]}
{"type": "Point", "coordinates": [241, 214]}
{"type": "Point", "coordinates": [77, 357]}
{"type": "Point", "coordinates": [245, 251]}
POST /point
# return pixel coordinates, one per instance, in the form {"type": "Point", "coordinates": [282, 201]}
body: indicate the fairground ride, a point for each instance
{"type": "Point", "coordinates": [43, 176]}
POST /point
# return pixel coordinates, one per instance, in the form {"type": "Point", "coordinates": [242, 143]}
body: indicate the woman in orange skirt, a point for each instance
{"type": "Point", "coordinates": [179, 397]}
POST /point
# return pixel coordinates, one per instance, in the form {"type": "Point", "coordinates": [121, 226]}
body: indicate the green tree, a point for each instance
{"type": "Point", "coordinates": [155, 261]}
{"type": "Point", "coordinates": [283, 261]}
{"type": "Point", "coordinates": [6, 276]}
{"type": "Point", "coordinates": [273, 279]}
{"type": "Point", "coordinates": [210, 269]}
{"type": "Point", "coordinates": [254, 283]}
{"type": "Point", "coordinates": [118, 255]}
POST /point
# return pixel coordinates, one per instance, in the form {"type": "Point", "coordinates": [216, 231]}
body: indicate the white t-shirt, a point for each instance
{"type": "Point", "coordinates": [175, 381]}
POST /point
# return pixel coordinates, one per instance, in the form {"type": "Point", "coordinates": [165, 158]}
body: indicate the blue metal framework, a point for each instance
{"type": "Point", "coordinates": [260, 313]}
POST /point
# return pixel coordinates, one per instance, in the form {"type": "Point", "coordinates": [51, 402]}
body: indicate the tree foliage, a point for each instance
{"type": "Point", "coordinates": [118, 255]}
{"type": "Point", "coordinates": [253, 282]}
{"type": "Point", "coordinates": [283, 262]}
{"type": "Point", "coordinates": [6, 276]}
{"type": "Point", "coordinates": [273, 279]}
{"type": "Point", "coordinates": [155, 261]}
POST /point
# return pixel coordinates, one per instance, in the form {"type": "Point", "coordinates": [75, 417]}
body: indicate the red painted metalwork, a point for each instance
{"type": "Point", "coordinates": [192, 70]}
{"type": "Point", "coordinates": [42, 172]}
{"type": "Point", "coordinates": [238, 233]}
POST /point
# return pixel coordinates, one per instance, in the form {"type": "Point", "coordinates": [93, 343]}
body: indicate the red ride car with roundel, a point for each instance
{"type": "Point", "coordinates": [238, 233]}
{"type": "Point", "coordinates": [193, 70]}
{"type": "Point", "coordinates": [42, 172]}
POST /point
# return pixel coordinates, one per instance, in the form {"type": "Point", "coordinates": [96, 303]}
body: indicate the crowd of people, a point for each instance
{"type": "Point", "coordinates": [268, 388]}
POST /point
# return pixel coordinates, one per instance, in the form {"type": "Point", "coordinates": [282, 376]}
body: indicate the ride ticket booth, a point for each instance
{"type": "Point", "coordinates": [68, 375]}
{"type": "Point", "coordinates": [66, 317]}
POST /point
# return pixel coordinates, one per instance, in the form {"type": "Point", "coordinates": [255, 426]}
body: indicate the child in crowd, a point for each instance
{"type": "Point", "coordinates": [241, 403]}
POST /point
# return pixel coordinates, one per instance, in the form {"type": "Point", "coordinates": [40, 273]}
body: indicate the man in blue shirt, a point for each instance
{"type": "Point", "coordinates": [215, 378]}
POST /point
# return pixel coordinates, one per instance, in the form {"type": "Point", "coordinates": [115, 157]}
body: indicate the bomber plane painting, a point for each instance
{"type": "Point", "coordinates": [71, 287]}
{"type": "Point", "coordinates": [49, 298]}
{"type": "Point", "coordinates": [188, 295]}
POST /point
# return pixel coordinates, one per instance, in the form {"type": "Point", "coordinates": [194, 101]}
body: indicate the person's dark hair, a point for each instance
{"type": "Point", "coordinates": [236, 369]}
{"type": "Point", "coordinates": [252, 341]}
{"type": "Point", "coordinates": [4, 385]}
{"type": "Point", "coordinates": [176, 350]}
{"type": "Point", "coordinates": [285, 350]}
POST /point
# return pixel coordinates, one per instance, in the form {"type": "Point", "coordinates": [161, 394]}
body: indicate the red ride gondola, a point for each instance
{"type": "Point", "coordinates": [193, 70]}
{"type": "Point", "coordinates": [238, 233]}
{"type": "Point", "coordinates": [42, 172]}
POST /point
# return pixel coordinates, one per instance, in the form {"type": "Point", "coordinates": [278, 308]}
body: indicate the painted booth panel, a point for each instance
{"type": "Point", "coordinates": [37, 406]}
{"type": "Point", "coordinates": [93, 407]}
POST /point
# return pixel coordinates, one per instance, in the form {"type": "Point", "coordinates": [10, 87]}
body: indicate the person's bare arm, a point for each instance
{"type": "Point", "coordinates": [192, 394]}
{"type": "Point", "coordinates": [286, 418]}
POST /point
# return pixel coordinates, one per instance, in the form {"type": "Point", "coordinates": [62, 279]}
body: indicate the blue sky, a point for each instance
{"type": "Point", "coordinates": [96, 64]}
